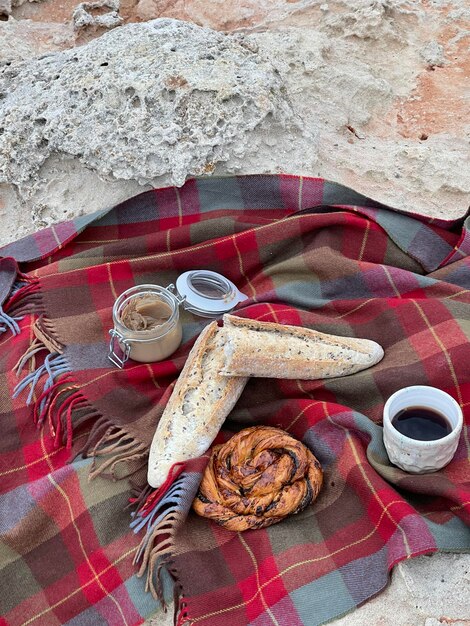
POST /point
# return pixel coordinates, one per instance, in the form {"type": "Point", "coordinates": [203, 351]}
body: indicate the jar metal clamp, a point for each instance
{"type": "Point", "coordinates": [201, 292]}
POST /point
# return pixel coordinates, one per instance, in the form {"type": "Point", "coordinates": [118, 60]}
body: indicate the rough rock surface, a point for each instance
{"type": "Point", "coordinates": [5, 7]}
{"type": "Point", "coordinates": [20, 40]}
{"type": "Point", "coordinates": [371, 93]}
{"type": "Point", "coordinates": [227, 15]}
{"type": "Point", "coordinates": [164, 97]}
{"type": "Point", "coordinates": [107, 15]}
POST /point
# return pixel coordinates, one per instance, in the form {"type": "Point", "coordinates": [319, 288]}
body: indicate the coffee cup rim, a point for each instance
{"type": "Point", "coordinates": [455, 432]}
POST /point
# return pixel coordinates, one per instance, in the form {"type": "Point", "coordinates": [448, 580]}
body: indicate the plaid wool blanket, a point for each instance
{"type": "Point", "coordinates": [82, 537]}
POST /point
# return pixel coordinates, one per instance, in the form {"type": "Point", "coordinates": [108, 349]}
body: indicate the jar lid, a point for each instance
{"type": "Point", "coordinates": [208, 294]}
{"type": "Point", "coordinates": [202, 292]}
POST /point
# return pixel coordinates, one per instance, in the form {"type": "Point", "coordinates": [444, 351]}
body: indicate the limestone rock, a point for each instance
{"type": "Point", "coordinates": [365, 19]}
{"type": "Point", "coordinates": [364, 92]}
{"type": "Point", "coordinates": [21, 40]}
{"type": "Point", "coordinates": [433, 54]}
{"type": "Point", "coordinates": [5, 7]}
{"type": "Point", "coordinates": [45, 11]}
{"type": "Point", "coordinates": [83, 15]}
{"type": "Point", "coordinates": [18, 3]}
{"type": "Point", "coordinates": [164, 97]}
{"type": "Point", "coordinates": [225, 15]}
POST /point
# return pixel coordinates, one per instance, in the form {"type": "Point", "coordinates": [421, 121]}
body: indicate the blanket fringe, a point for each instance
{"type": "Point", "coordinates": [8, 322]}
{"type": "Point", "coordinates": [54, 368]}
{"type": "Point", "coordinates": [24, 298]}
{"type": "Point", "coordinates": [139, 495]}
{"type": "Point", "coordinates": [108, 440]}
{"type": "Point", "coordinates": [160, 512]}
{"type": "Point", "coordinates": [55, 399]}
{"type": "Point", "coordinates": [156, 545]}
{"type": "Point", "coordinates": [180, 615]}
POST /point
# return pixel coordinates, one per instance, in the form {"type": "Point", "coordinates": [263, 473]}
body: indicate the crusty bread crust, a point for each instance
{"type": "Point", "coordinates": [270, 350]}
{"type": "Point", "coordinates": [201, 400]}
{"type": "Point", "coordinates": [217, 369]}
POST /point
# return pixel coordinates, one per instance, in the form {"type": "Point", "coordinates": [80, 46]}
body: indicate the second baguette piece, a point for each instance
{"type": "Point", "coordinates": [200, 402]}
{"type": "Point", "coordinates": [269, 350]}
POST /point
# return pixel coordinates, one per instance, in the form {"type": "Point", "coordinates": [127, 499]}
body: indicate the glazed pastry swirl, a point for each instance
{"type": "Point", "coordinates": [257, 478]}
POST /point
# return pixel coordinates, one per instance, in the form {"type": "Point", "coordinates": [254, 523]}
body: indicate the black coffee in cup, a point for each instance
{"type": "Point", "coordinates": [421, 423]}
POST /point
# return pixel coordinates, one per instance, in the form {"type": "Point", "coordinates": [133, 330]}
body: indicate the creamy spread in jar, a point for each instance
{"type": "Point", "coordinates": [145, 312]}
{"type": "Point", "coordinates": [147, 324]}
{"type": "Point", "coordinates": [146, 319]}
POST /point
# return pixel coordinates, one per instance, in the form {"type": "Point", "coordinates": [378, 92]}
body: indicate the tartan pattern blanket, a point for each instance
{"type": "Point", "coordinates": [306, 252]}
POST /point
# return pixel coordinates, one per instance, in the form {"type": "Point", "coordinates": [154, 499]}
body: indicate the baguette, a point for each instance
{"type": "Point", "coordinates": [269, 350]}
{"type": "Point", "coordinates": [200, 402]}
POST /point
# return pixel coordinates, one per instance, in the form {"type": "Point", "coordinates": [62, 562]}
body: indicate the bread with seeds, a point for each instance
{"type": "Point", "coordinates": [270, 350]}
{"type": "Point", "coordinates": [201, 400]}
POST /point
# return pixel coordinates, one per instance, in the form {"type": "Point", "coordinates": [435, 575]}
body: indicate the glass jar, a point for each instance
{"type": "Point", "coordinates": [146, 320]}
{"type": "Point", "coordinates": [145, 345]}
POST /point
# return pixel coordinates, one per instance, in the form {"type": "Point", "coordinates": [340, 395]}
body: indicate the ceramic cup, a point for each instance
{"type": "Point", "coordinates": [412, 455]}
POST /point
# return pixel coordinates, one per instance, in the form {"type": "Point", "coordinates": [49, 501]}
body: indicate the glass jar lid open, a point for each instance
{"type": "Point", "coordinates": [201, 292]}
{"type": "Point", "coordinates": [208, 294]}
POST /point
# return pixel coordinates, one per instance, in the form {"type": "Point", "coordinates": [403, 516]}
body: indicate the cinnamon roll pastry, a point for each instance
{"type": "Point", "coordinates": [257, 478]}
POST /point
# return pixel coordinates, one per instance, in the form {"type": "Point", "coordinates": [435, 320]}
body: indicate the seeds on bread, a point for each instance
{"type": "Point", "coordinates": [270, 350]}
{"type": "Point", "coordinates": [201, 400]}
